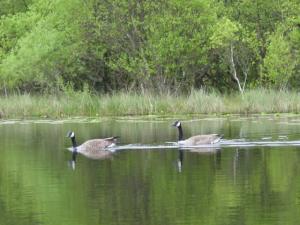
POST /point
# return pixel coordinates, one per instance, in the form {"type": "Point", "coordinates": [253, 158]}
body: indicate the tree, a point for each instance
{"type": "Point", "coordinates": [228, 41]}
{"type": "Point", "coordinates": [281, 59]}
{"type": "Point", "coordinates": [45, 48]}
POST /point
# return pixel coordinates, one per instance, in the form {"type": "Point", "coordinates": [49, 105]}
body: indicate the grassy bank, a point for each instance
{"type": "Point", "coordinates": [122, 104]}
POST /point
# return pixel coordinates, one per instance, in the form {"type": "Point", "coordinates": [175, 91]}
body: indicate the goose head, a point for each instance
{"type": "Point", "coordinates": [177, 124]}
{"type": "Point", "coordinates": [180, 132]}
{"type": "Point", "coordinates": [70, 134]}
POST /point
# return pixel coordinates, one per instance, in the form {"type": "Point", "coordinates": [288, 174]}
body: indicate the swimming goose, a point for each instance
{"type": "Point", "coordinates": [92, 146]}
{"type": "Point", "coordinates": [198, 139]}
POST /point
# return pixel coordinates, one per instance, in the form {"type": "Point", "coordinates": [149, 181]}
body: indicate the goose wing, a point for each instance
{"type": "Point", "coordinates": [114, 138]}
{"type": "Point", "coordinates": [96, 145]}
{"type": "Point", "coordinates": [202, 139]}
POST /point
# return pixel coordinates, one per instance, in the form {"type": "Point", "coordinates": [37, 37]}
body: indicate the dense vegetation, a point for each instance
{"type": "Point", "coordinates": [84, 103]}
{"type": "Point", "coordinates": [48, 46]}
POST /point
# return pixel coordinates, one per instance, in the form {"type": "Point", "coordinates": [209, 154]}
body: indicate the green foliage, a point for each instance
{"type": "Point", "coordinates": [178, 41]}
{"type": "Point", "coordinates": [13, 6]}
{"type": "Point", "coordinates": [225, 32]}
{"type": "Point", "coordinates": [13, 27]}
{"type": "Point", "coordinates": [279, 62]}
{"type": "Point", "coordinates": [147, 45]}
{"type": "Point", "coordinates": [46, 48]}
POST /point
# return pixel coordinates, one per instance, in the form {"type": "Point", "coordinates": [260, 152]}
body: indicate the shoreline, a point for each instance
{"type": "Point", "coordinates": [253, 102]}
{"type": "Point", "coordinates": [143, 118]}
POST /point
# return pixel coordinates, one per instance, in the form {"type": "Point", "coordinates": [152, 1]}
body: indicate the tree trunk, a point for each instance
{"type": "Point", "coordinates": [233, 70]}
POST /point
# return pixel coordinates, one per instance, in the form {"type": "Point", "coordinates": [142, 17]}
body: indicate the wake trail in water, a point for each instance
{"type": "Point", "coordinates": [223, 144]}
{"type": "Point", "coordinates": [233, 143]}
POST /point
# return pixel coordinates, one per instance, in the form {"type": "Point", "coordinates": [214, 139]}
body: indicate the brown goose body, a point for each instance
{"type": "Point", "coordinates": [197, 139]}
{"type": "Point", "coordinates": [94, 147]}
{"type": "Point", "coordinates": [201, 140]}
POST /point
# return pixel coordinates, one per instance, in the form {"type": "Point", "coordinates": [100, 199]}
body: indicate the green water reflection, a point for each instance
{"type": "Point", "coordinates": [258, 185]}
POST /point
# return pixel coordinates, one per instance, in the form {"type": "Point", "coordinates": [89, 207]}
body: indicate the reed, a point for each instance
{"type": "Point", "coordinates": [124, 104]}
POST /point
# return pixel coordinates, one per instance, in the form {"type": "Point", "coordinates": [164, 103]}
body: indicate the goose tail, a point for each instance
{"type": "Point", "coordinates": [218, 139]}
{"type": "Point", "coordinates": [113, 138]}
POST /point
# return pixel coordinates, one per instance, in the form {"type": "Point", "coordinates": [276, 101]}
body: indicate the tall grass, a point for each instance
{"type": "Point", "coordinates": [122, 104]}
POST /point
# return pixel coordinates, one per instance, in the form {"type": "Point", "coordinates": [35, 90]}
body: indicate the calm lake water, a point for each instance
{"type": "Point", "coordinates": [232, 185]}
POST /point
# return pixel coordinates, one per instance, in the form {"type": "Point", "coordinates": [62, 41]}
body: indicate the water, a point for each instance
{"type": "Point", "coordinates": [251, 178]}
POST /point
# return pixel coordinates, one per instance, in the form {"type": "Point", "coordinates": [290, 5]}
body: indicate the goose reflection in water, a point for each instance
{"type": "Point", "coordinates": [72, 162]}
{"type": "Point", "coordinates": [180, 160]}
{"type": "Point", "coordinates": [181, 151]}
{"type": "Point", "coordinates": [96, 155]}
{"type": "Point", "coordinates": [203, 150]}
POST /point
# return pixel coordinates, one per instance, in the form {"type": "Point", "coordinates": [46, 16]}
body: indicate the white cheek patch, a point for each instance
{"type": "Point", "coordinates": [178, 124]}
{"type": "Point", "coordinates": [72, 135]}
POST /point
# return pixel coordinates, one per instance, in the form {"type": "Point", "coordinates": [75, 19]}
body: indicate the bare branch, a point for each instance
{"type": "Point", "coordinates": [234, 74]}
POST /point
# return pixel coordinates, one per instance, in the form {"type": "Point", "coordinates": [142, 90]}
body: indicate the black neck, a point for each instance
{"type": "Point", "coordinates": [74, 143]}
{"type": "Point", "coordinates": [180, 133]}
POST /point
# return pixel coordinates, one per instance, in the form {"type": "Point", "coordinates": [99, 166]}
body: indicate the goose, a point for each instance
{"type": "Point", "coordinates": [196, 140]}
{"type": "Point", "coordinates": [93, 146]}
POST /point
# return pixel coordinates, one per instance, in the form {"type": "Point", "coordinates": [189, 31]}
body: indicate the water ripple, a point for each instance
{"type": "Point", "coordinates": [223, 144]}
